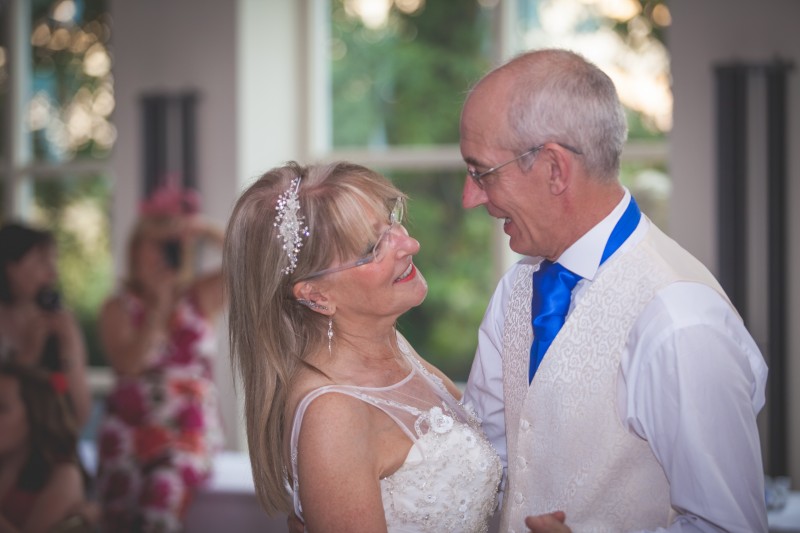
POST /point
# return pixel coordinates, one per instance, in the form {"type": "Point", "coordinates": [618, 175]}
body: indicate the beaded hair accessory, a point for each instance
{"type": "Point", "coordinates": [291, 228]}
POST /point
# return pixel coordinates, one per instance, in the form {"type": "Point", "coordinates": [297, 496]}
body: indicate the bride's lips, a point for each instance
{"type": "Point", "coordinates": [409, 274]}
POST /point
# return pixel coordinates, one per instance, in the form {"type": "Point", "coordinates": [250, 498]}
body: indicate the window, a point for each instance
{"type": "Point", "coordinates": [57, 95]}
{"type": "Point", "coordinates": [625, 38]}
{"type": "Point", "coordinates": [382, 107]}
{"type": "Point", "coordinates": [388, 79]}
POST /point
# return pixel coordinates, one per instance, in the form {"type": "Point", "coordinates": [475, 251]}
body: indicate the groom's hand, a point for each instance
{"type": "Point", "coordinates": [548, 523]}
{"type": "Point", "coordinates": [295, 524]}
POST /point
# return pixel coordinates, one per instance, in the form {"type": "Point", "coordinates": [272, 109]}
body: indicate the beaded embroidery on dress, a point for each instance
{"type": "Point", "coordinates": [450, 477]}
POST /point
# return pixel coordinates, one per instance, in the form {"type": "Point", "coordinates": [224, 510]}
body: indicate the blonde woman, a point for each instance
{"type": "Point", "coordinates": [365, 433]}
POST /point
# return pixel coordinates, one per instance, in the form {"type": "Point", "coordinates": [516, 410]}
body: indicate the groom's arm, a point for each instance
{"type": "Point", "coordinates": [484, 390]}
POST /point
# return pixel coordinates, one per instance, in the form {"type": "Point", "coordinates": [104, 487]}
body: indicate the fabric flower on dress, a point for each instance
{"type": "Point", "coordinates": [190, 476]}
{"type": "Point", "coordinates": [163, 501]}
{"type": "Point", "coordinates": [128, 403]}
{"type": "Point", "coordinates": [183, 347]}
{"type": "Point", "coordinates": [114, 442]}
{"type": "Point", "coordinates": [151, 442]}
{"type": "Point", "coordinates": [191, 388]}
{"type": "Point", "coordinates": [190, 418]}
{"type": "Point", "coordinates": [439, 422]}
{"type": "Point", "coordinates": [193, 469]}
{"type": "Point", "coordinates": [192, 442]}
{"type": "Point", "coordinates": [158, 493]}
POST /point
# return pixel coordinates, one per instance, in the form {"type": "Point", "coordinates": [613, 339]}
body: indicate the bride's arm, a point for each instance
{"type": "Point", "coordinates": [339, 467]}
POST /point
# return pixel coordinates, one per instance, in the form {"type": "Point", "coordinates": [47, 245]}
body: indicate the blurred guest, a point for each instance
{"type": "Point", "coordinates": [161, 425]}
{"type": "Point", "coordinates": [42, 483]}
{"type": "Point", "coordinates": [35, 329]}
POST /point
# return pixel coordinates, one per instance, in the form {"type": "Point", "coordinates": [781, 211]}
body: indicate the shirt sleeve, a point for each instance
{"type": "Point", "coordinates": [484, 389]}
{"type": "Point", "coordinates": [691, 384]}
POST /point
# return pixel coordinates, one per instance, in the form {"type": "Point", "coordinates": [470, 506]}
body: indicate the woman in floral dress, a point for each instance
{"type": "Point", "coordinates": [161, 425]}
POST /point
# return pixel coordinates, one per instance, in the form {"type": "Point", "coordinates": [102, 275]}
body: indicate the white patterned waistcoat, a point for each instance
{"type": "Point", "coordinates": [567, 449]}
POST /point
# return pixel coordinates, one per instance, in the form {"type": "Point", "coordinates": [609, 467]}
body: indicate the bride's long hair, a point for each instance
{"type": "Point", "coordinates": [272, 336]}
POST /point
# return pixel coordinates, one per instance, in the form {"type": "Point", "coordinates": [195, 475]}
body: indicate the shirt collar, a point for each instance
{"type": "Point", "coordinates": [583, 257]}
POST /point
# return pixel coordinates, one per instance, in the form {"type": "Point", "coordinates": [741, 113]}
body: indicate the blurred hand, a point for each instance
{"type": "Point", "coordinates": [548, 523]}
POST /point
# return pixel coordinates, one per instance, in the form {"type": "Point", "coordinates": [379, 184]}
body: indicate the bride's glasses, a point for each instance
{"type": "Point", "coordinates": [382, 245]}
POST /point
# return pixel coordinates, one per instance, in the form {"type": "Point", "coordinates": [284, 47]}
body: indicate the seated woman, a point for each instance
{"type": "Point", "coordinates": [339, 407]}
{"type": "Point", "coordinates": [161, 425]}
{"type": "Point", "coordinates": [35, 330]}
{"type": "Point", "coordinates": [42, 482]}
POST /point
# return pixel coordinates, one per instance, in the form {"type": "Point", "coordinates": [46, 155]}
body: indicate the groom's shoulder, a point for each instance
{"type": "Point", "coordinates": [524, 262]}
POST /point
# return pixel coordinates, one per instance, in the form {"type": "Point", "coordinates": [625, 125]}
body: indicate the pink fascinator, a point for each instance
{"type": "Point", "coordinates": [169, 200]}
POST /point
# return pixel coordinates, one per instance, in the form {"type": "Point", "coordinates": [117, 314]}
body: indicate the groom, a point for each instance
{"type": "Point", "coordinates": [640, 413]}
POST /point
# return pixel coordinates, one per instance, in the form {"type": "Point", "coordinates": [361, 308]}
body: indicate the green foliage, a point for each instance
{"type": "Point", "coordinates": [75, 211]}
{"type": "Point", "coordinates": [403, 83]}
{"type": "Point", "coordinates": [72, 102]}
{"type": "Point", "coordinates": [455, 260]}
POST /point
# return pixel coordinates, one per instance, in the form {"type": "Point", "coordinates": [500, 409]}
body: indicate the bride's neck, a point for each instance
{"type": "Point", "coordinates": [366, 359]}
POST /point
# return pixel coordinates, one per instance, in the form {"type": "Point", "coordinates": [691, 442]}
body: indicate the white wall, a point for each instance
{"type": "Point", "coordinates": [269, 90]}
{"type": "Point", "coordinates": [173, 46]}
{"type": "Point", "coordinates": [702, 35]}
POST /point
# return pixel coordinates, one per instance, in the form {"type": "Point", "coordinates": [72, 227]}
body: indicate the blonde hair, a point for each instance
{"type": "Point", "coordinates": [271, 334]}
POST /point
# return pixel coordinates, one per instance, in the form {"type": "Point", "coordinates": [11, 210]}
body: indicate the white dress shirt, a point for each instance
{"type": "Point", "coordinates": [691, 382]}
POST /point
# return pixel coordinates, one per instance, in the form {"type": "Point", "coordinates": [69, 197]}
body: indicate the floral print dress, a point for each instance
{"type": "Point", "coordinates": [160, 428]}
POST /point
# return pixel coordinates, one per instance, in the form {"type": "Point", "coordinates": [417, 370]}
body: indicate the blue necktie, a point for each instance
{"type": "Point", "coordinates": [552, 290]}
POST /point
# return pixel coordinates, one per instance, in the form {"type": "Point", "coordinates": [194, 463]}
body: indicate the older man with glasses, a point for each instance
{"type": "Point", "coordinates": [613, 375]}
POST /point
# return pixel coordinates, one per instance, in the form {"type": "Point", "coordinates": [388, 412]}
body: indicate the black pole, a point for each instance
{"type": "Point", "coordinates": [731, 88]}
{"type": "Point", "coordinates": [188, 103]}
{"type": "Point", "coordinates": [154, 142]}
{"type": "Point", "coordinates": [776, 76]}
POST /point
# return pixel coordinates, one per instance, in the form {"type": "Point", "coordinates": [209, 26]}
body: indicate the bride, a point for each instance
{"type": "Point", "coordinates": [341, 411]}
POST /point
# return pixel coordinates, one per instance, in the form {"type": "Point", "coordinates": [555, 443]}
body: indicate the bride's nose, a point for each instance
{"type": "Point", "coordinates": [404, 243]}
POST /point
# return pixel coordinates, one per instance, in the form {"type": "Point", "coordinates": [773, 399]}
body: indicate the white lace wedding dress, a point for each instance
{"type": "Point", "coordinates": [450, 477]}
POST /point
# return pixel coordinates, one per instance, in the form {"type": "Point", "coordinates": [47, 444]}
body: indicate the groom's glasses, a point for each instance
{"type": "Point", "coordinates": [477, 177]}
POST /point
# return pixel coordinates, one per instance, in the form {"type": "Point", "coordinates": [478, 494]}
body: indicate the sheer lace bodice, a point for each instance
{"type": "Point", "coordinates": [449, 479]}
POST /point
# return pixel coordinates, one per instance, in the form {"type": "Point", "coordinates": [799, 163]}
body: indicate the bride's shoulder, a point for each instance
{"type": "Point", "coordinates": [319, 398]}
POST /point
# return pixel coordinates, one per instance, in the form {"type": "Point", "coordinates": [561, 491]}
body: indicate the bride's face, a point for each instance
{"type": "Point", "coordinates": [386, 288]}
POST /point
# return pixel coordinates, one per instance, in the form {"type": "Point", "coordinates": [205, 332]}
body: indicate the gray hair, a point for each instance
{"type": "Point", "coordinates": [558, 96]}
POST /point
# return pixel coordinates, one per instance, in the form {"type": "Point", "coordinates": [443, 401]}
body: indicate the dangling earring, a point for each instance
{"type": "Point", "coordinates": [330, 334]}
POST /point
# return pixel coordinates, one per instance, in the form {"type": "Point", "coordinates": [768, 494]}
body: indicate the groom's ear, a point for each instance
{"type": "Point", "coordinates": [308, 291]}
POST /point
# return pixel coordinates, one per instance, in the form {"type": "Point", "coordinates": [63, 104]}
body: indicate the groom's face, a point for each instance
{"type": "Point", "coordinates": [517, 193]}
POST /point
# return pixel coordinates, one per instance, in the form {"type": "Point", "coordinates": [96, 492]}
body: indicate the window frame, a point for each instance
{"type": "Point", "coordinates": [19, 169]}
{"type": "Point", "coordinates": [316, 144]}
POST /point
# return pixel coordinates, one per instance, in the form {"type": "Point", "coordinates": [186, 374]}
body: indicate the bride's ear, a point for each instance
{"type": "Point", "coordinates": [312, 296]}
